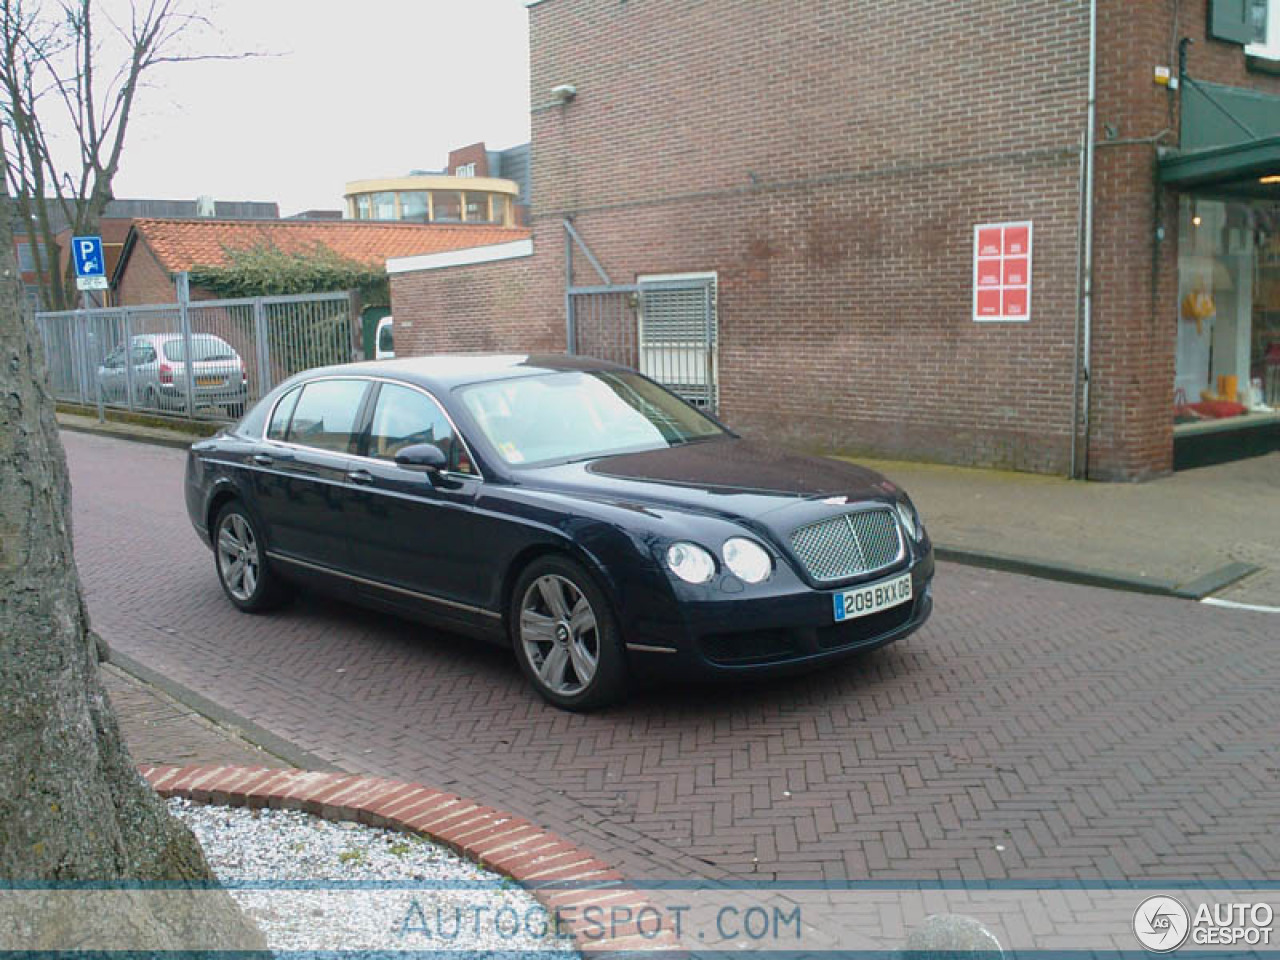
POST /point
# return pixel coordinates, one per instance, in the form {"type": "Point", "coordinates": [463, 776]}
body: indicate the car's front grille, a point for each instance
{"type": "Point", "coordinates": [848, 545]}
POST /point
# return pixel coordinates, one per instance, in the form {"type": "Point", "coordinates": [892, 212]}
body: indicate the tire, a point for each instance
{"type": "Point", "coordinates": [241, 562]}
{"type": "Point", "coordinates": [563, 629]}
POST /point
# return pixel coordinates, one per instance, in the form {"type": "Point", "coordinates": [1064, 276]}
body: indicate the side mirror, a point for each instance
{"type": "Point", "coordinates": [422, 456]}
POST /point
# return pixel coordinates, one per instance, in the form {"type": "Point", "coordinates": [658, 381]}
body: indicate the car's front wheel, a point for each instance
{"type": "Point", "coordinates": [243, 569]}
{"type": "Point", "coordinates": [566, 636]}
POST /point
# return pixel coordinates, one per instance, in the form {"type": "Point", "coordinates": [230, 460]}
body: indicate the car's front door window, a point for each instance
{"type": "Point", "coordinates": [403, 417]}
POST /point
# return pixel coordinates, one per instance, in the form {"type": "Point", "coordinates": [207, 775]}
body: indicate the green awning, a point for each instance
{"type": "Point", "coordinates": [1230, 140]}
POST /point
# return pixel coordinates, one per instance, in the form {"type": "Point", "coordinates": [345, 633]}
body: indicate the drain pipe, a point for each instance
{"type": "Point", "coordinates": [1085, 366]}
{"type": "Point", "coordinates": [1075, 340]}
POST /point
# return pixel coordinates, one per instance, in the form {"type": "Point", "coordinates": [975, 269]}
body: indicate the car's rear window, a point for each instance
{"type": "Point", "coordinates": [203, 349]}
{"type": "Point", "coordinates": [326, 414]}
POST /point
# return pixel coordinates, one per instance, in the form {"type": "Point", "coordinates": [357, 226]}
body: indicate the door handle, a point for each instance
{"type": "Point", "coordinates": [361, 476]}
{"type": "Point", "coordinates": [262, 459]}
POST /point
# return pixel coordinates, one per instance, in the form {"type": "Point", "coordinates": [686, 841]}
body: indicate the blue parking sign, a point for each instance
{"type": "Point", "coordinates": [87, 254]}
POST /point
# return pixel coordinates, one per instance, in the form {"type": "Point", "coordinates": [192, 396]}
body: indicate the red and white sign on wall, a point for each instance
{"type": "Point", "coordinates": [1002, 272]}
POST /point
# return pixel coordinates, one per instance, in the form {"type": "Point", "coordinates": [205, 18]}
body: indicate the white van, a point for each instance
{"type": "Point", "coordinates": [384, 347]}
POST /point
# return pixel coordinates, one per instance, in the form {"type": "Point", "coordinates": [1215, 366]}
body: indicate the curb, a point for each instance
{"type": "Point", "coordinates": [1197, 589]}
{"type": "Point", "coordinates": [561, 875]}
{"type": "Point", "coordinates": [104, 430]}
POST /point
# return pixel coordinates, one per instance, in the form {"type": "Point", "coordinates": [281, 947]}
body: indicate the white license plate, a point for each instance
{"type": "Point", "coordinates": [873, 598]}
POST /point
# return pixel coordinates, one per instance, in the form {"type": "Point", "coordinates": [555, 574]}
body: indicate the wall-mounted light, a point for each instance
{"type": "Point", "coordinates": [564, 93]}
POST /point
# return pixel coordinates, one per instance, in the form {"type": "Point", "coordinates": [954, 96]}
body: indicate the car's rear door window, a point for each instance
{"type": "Point", "coordinates": [325, 415]}
{"type": "Point", "coordinates": [403, 417]}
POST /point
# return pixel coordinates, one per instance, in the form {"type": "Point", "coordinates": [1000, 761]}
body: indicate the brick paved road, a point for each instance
{"type": "Point", "coordinates": [1086, 733]}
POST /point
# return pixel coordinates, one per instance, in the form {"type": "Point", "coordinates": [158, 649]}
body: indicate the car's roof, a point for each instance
{"type": "Point", "coordinates": [447, 371]}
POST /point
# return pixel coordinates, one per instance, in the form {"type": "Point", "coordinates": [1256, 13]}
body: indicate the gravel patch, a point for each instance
{"type": "Point", "coordinates": [318, 885]}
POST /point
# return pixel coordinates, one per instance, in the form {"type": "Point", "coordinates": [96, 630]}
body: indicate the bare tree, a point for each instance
{"type": "Point", "coordinates": [61, 73]}
{"type": "Point", "coordinates": [72, 805]}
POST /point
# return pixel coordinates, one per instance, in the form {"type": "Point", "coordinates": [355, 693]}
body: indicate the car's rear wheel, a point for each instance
{"type": "Point", "coordinates": [566, 636]}
{"type": "Point", "coordinates": [243, 569]}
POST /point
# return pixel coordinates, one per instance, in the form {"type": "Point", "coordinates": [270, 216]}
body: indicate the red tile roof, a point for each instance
{"type": "Point", "coordinates": [182, 244]}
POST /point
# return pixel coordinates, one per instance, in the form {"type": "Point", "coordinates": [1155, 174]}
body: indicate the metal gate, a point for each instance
{"type": "Point", "coordinates": [136, 357]}
{"type": "Point", "coordinates": [665, 327]}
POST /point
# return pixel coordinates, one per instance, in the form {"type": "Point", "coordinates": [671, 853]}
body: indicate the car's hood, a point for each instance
{"type": "Point", "coordinates": [729, 477]}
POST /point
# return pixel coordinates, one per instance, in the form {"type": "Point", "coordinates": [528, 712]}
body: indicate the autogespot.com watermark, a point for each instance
{"type": "Point", "coordinates": [434, 923]}
{"type": "Point", "coordinates": [1163, 923]}
{"type": "Point", "coordinates": [783, 920]}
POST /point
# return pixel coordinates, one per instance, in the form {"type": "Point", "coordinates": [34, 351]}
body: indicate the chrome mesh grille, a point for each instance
{"type": "Point", "coordinates": [848, 545]}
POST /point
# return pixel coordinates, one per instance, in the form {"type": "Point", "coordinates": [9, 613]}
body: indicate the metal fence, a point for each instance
{"type": "Point", "coordinates": [665, 328]}
{"type": "Point", "coordinates": [136, 357]}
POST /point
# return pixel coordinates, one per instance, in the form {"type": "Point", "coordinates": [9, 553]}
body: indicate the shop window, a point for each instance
{"type": "Point", "coordinates": [413, 205]}
{"type": "Point", "coordinates": [477, 208]}
{"type": "Point", "coordinates": [384, 206]}
{"type": "Point", "coordinates": [1228, 339]}
{"type": "Point", "coordinates": [447, 205]}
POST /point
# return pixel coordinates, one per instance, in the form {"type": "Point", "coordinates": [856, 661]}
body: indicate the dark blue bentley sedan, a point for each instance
{"type": "Point", "coordinates": [571, 508]}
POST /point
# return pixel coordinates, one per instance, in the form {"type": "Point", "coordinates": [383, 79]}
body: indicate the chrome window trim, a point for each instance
{"type": "Point", "coordinates": [383, 586]}
{"type": "Point", "coordinates": [366, 378]}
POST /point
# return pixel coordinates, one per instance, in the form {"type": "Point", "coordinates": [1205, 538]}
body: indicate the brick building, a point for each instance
{"type": "Point", "coordinates": [777, 210]}
{"type": "Point", "coordinates": [156, 251]}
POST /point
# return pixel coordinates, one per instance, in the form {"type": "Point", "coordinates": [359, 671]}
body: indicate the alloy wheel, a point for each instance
{"type": "Point", "coordinates": [239, 561]}
{"type": "Point", "coordinates": [560, 634]}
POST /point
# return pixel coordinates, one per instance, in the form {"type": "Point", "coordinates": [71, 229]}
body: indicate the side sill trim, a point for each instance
{"type": "Point", "coordinates": [384, 586]}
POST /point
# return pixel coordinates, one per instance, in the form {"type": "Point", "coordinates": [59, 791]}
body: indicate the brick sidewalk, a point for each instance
{"type": "Point", "coordinates": [160, 730]}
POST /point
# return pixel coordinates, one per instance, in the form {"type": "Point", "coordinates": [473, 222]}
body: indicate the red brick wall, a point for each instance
{"type": "Point", "coordinates": [144, 280]}
{"type": "Point", "coordinates": [483, 308]}
{"type": "Point", "coordinates": [475, 153]}
{"type": "Point", "coordinates": [829, 163]}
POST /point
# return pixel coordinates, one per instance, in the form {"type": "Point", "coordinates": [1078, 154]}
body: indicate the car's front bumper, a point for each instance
{"type": "Point", "coordinates": [789, 626]}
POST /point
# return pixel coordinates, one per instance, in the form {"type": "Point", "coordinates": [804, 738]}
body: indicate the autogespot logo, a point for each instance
{"type": "Point", "coordinates": [1161, 924]}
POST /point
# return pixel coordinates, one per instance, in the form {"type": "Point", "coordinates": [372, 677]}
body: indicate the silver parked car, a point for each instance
{"type": "Point", "coordinates": [159, 373]}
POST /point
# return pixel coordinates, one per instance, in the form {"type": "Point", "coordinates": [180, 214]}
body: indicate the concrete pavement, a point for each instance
{"type": "Point", "coordinates": [1173, 531]}
{"type": "Point", "coordinates": [1033, 729]}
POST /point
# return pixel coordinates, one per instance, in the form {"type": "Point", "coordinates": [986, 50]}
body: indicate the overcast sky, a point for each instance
{"type": "Point", "coordinates": [358, 90]}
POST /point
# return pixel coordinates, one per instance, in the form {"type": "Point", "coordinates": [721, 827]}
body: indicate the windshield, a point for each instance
{"type": "Point", "coordinates": [578, 415]}
{"type": "Point", "coordinates": [202, 349]}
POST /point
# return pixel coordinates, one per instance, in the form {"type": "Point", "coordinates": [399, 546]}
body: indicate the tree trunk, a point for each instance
{"type": "Point", "coordinates": [72, 805]}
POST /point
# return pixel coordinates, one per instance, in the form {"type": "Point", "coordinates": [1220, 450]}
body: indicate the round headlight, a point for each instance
{"type": "Point", "coordinates": [747, 559]}
{"type": "Point", "coordinates": [690, 562]}
{"type": "Point", "coordinates": [910, 520]}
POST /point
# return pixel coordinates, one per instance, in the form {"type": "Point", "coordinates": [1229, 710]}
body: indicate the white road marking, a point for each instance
{"type": "Point", "coordinates": [1256, 607]}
